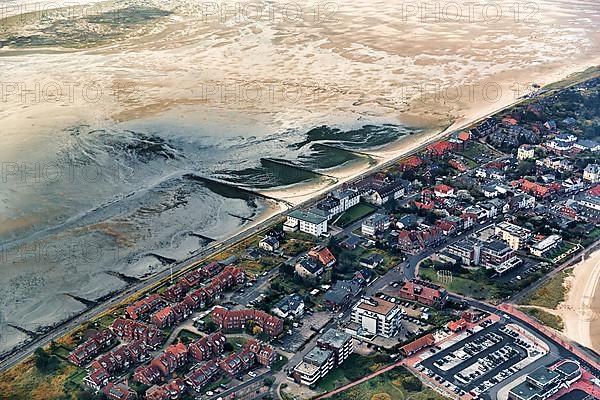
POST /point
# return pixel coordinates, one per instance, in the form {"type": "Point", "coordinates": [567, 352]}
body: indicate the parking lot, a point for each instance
{"type": "Point", "coordinates": [478, 362]}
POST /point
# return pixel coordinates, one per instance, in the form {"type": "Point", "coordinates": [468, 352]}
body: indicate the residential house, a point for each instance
{"type": "Point", "coordinates": [290, 306]}
{"type": "Point", "coordinates": [423, 292]}
{"type": "Point", "coordinates": [237, 319]}
{"type": "Point", "coordinates": [323, 255]}
{"type": "Point", "coordinates": [128, 330]}
{"type": "Point", "coordinates": [309, 268]}
{"type": "Point", "coordinates": [525, 152]}
{"type": "Point", "coordinates": [591, 173]}
{"type": "Point", "coordinates": [375, 224]}
{"type": "Point", "coordinates": [373, 260]}
{"type": "Point", "coordinates": [91, 347]}
{"type": "Point", "coordinates": [144, 307]}
{"type": "Point", "coordinates": [201, 375]}
{"type": "Point", "coordinates": [118, 391]}
{"type": "Point", "coordinates": [269, 243]}
{"type": "Point", "coordinates": [207, 347]}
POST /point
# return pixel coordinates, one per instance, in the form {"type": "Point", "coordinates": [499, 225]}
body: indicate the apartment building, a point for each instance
{"type": "Point", "coordinates": [377, 317]}
{"type": "Point", "coordinates": [515, 236]}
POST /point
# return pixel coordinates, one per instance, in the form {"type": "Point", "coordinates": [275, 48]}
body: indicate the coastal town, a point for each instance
{"type": "Point", "coordinates": [425, 278]}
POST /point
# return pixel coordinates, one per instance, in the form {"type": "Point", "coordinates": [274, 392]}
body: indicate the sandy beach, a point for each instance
{"type": "Point", "coordinates": [581, 310]}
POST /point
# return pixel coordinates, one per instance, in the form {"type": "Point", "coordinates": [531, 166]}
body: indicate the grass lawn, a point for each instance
{"type": "Point", "coordinates": [237, 342]}
{"type": "Point", "coordinates": [279, 363]}
{"type": "Point", "coordinates": [395, 384]}
{"type": "Point", "coordinates": [354, 213]}
{"type": "Point", "coordinates": [461, 284]}
{"type": "Point", "coordinates": [188, 336]}
{"type": "Point", "coordinates": [354, 368]}
{"type": "Point", "coordinates": [551, 294]}
{"type": "Point", "coordinates": [61, 352]}
{"type": "Point", "coordinates": [551, 320]}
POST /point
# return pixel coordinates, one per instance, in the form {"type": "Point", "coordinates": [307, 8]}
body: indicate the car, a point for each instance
{"type": "Point", "coordinates": [251, 374]}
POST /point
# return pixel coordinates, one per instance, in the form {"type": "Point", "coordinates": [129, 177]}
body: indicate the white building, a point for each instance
{"type": "Point", "coordinates": [306, 221]}
{"type": "Point", "coordinates": [377, 316]}
{"type": "Point", "coordinates": [315, 365]}
{"type": "Point", "coordinates": [525, 152]}
{"type": "Point", "coordinates": [544, 246]}
{"type": "Point", "coordinates": [375, 223]}
{"type": "Point", "coordinates": [269, 243]}
{"type": "Point", "coordinates": [515, 236]}
{"type": "Point", "coordinates": [592, 173]}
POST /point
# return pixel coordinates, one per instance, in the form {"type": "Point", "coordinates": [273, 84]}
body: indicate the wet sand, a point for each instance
{"type": "Point", "coordinates": [581, 310]}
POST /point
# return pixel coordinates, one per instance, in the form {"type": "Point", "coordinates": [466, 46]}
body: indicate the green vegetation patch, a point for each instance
{"type": "Point", "coordinates": [354, 214]}
{"type": "Point", "coordinates": [551, 294]}
{"type": "Point", "coordinates": [397, 383]}
{"type": "Point", "coordinates": [550, 320]}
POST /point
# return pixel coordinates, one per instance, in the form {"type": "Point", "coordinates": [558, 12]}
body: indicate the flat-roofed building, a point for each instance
{"type": "Point", "coordinates": [314, 365]}
{"type": "Point", "coordinates": [545, 382]}
{"type": "Point", "coordinates": [515, 236]}
{"type": "Point", "coordinates": [546, 245]}
{"type": "Point", "coordinates": [311, 222]}
{"type": "Point", "coordinates": [340, 343]}
{"type": "Point", "coordinates": [377, 316]}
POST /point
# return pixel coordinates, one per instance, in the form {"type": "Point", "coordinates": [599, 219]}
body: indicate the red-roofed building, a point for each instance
{"type": "Point", "coordinates": [163, 318]}
{"type": "Point", "coordinates": [595, 191]}
{"type": "Point", "coordinates": [200, 376]}
{"type": "Point", "coordinates": [207, 347]}
{"type": "Point", "coordinates": [91, 347]}
{"type": "Point", "coordinates": [410, 163]}
{"type": "Point", "coordinates": [237, 319]}
{"type": "Point", "coordinates": [265, 354]}
{"type": "Point", "coordinates": [323, 255]}
{"type": "Point", "coordinates": [464, 136]}
{"type": "Point", "coordinates": [144, 307]}
{"type": "Point", "coordinates": [418, 344]}
{"type": "Point", "coordinates": [534, 188]}
{"type": "Point", "coordinates": [442, 190]}
{"type": "Point", "coordinates": [423, 292]}
{"type": "Point", "coordinates": [118, 392]}
{"type": "Point", "coordinates": [176, 292]}
{"type": "Point", "coordinates": [457, 326]}
{"type": "Point", "coordinates": [238, 362]}
{"type": "Point", "coordinates": [171, 391]}
{"type": "Point", "coordinates": [97, 379]}
{"type": "Point", "coordinates": [211, 269]}
{"type": "Point", "coordinates": [439, 148]}
{"type": "Point", "coordinates": [128, 330]}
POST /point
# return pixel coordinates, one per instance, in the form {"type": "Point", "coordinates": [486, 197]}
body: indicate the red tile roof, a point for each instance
{"type": "Point", "coordinates": [416, 345]}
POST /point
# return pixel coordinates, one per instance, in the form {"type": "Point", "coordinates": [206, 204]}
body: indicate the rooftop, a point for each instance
{"type": "Point", "coordinates": [317, 356]}
{"type": "Point", "coordinates": [335, 338]}
{"type": "Point", "coordinates": [307, 216]}
{"type": "Point", "coordinates": [379, 306]}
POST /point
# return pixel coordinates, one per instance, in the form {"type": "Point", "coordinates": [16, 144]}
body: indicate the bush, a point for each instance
{"type": "Point", "coordinates": [412, 384]}
{"type": "Point", "coordinates": [45, 362]}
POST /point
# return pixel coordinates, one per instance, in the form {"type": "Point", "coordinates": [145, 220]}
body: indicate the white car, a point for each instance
{"type": "Point", "coordinates": [251, 374]}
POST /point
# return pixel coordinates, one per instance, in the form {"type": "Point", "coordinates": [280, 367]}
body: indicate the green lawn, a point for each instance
{"type": "Point", "coordinates": [354, 368]}
{"type": "Point", "coordinates": [551, 320]}
{"type": "Point", "coordinates": [462, 284]}
{"type": "Point", "coordinates": [354, 214]}
{"type": "Point", "coordinates": [391, 385]}
{"type": "Point", "coordinates": [188, 336]}
{"type": "Point", "coordinates": [551, 294]}
{"type": "Point", "coordinates": [280, 363]}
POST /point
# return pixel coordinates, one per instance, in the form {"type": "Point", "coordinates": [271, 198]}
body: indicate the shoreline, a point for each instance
{"type": "Point", "coordinates": [581, 309]}
{"type": "Point", "coordinates": [263, 222]}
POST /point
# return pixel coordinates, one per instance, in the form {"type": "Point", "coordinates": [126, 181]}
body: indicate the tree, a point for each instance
{"type": "Point", "coordinates": [45, 362]}
{"type": "Point", "coordinates": [412, 384]}
{"type": "Point", "coordinates": [256, 330]}
{"type": "Point", "coordinates": [268, 381]}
